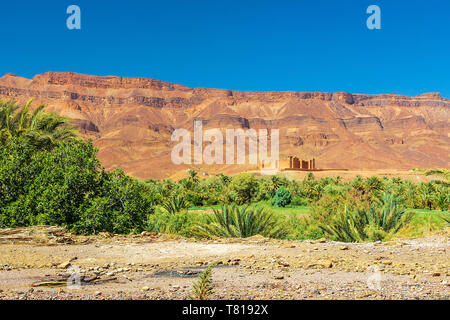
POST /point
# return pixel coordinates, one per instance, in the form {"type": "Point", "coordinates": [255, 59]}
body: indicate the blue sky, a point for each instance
{"type": "Point", "coordinates": [300, 45]}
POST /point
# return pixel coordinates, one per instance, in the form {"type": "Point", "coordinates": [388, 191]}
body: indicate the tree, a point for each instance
{"type": "Point", "coordinates": [373, 185]}
{"type": "Point", "coordinates": [38, 127]}
{"type": "Point", "coordinates": [67, 186]}
{"type": "Point", "coordinates": [193, 177]}
{"type": "Point", "coordinates": [443, 173]}
{"type": "Point", "coordinates": [175, 204]}
{"type": "Point", "coordinates": [275, 183]}
{"type": "Point", "coordinates": [426, 194]}
{"type": "Point", "coordinates": [244, 188]}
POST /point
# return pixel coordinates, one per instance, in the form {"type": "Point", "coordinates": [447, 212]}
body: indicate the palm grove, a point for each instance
{"type": "Point", "coordinates": [49, 176]}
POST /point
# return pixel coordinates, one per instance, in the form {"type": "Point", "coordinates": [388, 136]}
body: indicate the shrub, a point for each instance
{"type": "Point", "coordinates": [299, 201]}
{"type": "Point", "coordinates": [239, 222]}
{"type": "Point", "coordinates": [178, 223]}
{"type": "Point", "coordinates": [282, 197]}
{"type": "Point", "coordinates": [302, 228]}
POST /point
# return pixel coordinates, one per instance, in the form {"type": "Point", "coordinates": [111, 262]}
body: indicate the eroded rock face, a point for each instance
{"type": "Point", "coordinates": [131, 121]}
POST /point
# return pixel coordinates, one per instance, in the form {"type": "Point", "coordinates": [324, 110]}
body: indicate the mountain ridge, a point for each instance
{"type": "Point", "coordinates": [130, 120]}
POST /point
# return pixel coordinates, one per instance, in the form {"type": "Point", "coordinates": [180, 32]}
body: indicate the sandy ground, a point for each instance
{"type": "Point", "coordinates": [157, 267]}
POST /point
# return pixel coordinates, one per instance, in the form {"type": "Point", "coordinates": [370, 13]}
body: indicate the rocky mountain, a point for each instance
{"type": "Point", "coordinates": [131, 121]}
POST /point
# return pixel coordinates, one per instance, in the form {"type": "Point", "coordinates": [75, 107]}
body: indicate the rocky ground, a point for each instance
{"type": "Point", "coordinates": [36, 264]}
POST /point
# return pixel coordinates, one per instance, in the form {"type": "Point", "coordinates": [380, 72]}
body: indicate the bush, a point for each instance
{"type": "Point", "coordinates": [299, 201]}
{"type": "Point", "coordinates": [122, 206]}
{"type": "Point", "coordinates": [282, 197]}
{"type": "Point", "coordinates": [178, 223]}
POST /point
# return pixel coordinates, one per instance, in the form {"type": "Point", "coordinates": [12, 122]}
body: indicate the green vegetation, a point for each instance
{"type": "Point", "coordinates": [49, 176]}
{"type": "Point", "coordinates": [424, 222]}
{"type": "Point", "coordinates": [175, 204]}
{"type": "Point", "coordinates": [203, 288]}
{"type": "Point", "coordinates": [282, 197]}
{"type": "Point", "coordinates": [39, 128]}
{"type": "Point", "coordinates": [443, 173]}
{"type": "Point", "coordinates": [178, 223]}
{"type": "Point", "coordinates": [240, 222]}
{"type": "Point", "coordinates": [377, 223]}
{"type": "Point", "coordinates": [66, 186]}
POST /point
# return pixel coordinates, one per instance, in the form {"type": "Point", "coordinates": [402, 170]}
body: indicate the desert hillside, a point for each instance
{"type": "Point", "coordinates": [131, 121]}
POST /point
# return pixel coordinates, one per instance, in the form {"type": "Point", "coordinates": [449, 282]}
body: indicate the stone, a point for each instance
{"type": "Point", "coordinates": [64, 265]}
{"type": "Point", "coordinates": [283, 263]}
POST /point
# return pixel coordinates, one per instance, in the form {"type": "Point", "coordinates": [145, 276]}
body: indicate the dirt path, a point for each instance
{"type": "Point", "coordinates": [155, 267]}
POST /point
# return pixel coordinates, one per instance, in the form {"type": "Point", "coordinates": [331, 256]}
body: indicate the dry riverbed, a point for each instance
{"type": "Point", "coordinates": [35, 263]}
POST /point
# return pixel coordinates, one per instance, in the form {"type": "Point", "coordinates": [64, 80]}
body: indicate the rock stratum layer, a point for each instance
{"type": "Point", "coordinates": [131, 121]}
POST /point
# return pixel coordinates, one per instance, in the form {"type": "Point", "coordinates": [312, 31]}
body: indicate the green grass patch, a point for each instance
{"type": "Point", "coordinates": [288, 210]}
{"type": "Point", "coordinates": [424, 222]}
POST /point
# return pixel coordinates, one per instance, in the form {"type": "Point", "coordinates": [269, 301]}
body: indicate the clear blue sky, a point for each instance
{"type": "Point", "coordinates": [302, 45]}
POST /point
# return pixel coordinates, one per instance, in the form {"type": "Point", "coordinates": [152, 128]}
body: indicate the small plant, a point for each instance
{"type": "Point", "coordinates": [203, 288]}
{"type": "Point", "coordinates": [239, 222]}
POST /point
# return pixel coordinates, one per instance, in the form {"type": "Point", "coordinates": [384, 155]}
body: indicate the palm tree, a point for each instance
{"type": "Point", "coordinates": [40, 128]}
{"type": "Point", "coordinates": [175, 204]}
{"type": "Point", "coordinates": [239, 222]}
{"type": "Point", "coordinates": [443, 173]}
{"type": "Point", "coordinates": [426, 194]}
{"type": "Point", "coordinates": [193, 178]}
{"type": "Point", "coordinates": [380, 221]}
{"type": "Point", "coordinates": [274, 183]}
